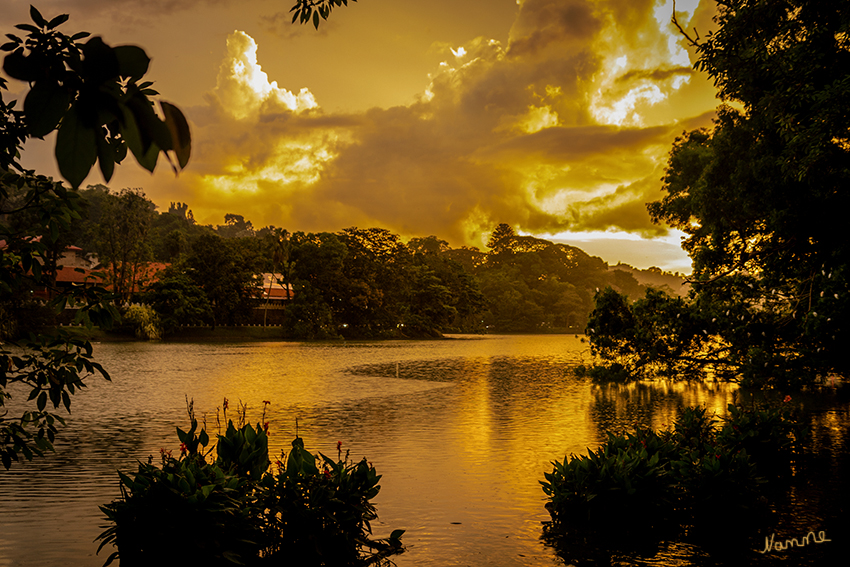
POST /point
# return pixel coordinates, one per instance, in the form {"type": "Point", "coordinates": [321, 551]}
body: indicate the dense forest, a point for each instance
{"type": "Point", "coordinates": [355, 283]}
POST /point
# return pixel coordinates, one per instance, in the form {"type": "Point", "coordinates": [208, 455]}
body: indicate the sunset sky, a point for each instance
{"type": "Point", "coordinates": [441, 117]}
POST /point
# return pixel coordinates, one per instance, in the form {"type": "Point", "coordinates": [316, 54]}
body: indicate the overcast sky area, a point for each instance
{"type": "Point", "coordinates": [443, 117]}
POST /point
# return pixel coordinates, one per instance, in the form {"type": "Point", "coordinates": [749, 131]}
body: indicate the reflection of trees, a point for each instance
{"type": "Point", "coordinates": [814, 497]}
{"type": "Point", "coordinates": [622, 407]}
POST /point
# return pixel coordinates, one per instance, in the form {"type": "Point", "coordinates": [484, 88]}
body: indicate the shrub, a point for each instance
{"type": "Point", "coordinates": [319, 511]}
{"type": "Point", "coordinates": [234, 511]}
{"type": "Point", "coordinates": [695, 474]}
{"type": "Point", "coordinates": [769, 435]}
{"type": "Point", "coordinates": [623, 485]}
{"type": "Point", "coordinates": [185, 510]}
{"type": "Point", "coordinates": [144, 321]}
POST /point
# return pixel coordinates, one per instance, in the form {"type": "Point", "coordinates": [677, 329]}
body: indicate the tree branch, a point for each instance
{"type": "Point", "coordinates": [694, 42]}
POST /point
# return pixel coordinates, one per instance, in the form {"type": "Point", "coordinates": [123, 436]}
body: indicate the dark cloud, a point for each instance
{"type": "Point", "coordinates": [660, 74]}
{"type": "Point", "coordinates": [567, 144]}
{"type": "Point", "coordinates": [136, 8]}
{"type": "Point", "coordinates": [542, 24]}
{"type": "Point", "coordinates": [624, 209]}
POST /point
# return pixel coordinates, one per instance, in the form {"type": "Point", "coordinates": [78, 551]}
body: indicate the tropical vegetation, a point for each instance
{"type": "Point", "coordinates": [94, 97]}
{"type": "Point", "coordinates": [701, 473]}
{"type": "Point", "coordinates": [234, 508]}
{"type": "Point", "coordinates": [760, 197]}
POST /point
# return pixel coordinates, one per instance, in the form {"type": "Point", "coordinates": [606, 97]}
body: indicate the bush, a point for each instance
{"type": "Point", "coordinates": [769, 435]}
{"type": "Point", "coordinates": [695, 474]}
{"type": "Point", "coordinates": [320, 515]}
{"type": "Point", "coordinates": [144, 321]}
{"type": "Point", "coordinates": [623, 485]}
{"type": "Point", "coordinates": [234, 511]}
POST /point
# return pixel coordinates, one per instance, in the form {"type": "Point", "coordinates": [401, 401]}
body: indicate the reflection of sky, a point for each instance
{"type": "Point", "coordinates": [462, 436]}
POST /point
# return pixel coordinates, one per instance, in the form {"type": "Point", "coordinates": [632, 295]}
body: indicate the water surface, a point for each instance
{"type": "Point", "coordinates": [462, 431]}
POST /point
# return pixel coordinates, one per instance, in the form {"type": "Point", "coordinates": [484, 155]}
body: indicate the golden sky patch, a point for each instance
{"type": "Point", "coordinates": [555, 116]}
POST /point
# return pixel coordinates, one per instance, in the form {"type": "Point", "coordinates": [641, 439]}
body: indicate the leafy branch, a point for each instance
{"type": "Point", "coordinates": [311, 10]}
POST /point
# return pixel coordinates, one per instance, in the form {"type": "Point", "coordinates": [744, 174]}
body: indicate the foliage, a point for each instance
{"type": "Point", "coordinates": [53, 368]}
{"type": "Point", "coordinates": [186, 510]}
{"type": "Point", "coordinates": [313, 511]}
{"type": "Point", "coordinates": [693, 474]}
{"type": "Point", "coordinates": [89, 93]}
{"type": "Point", "coordinates": [225, 270]}
{"type": "Point", "coordinates": [655, 335]}
{"type": "Point", "coordinates": [627, 478]}
{"type": "Point", "coordinates": [144, 321]}
{"type": "Point", "coordinates": [321, 511]}
{"type": "Point", "coordinates": [177, 301]}
{"type": "Point", "coordinates": [121, 233]}
{"type": "Point", "coordinates": [760, 197]}
{"type": "Point", "coordinates": [311, 10]}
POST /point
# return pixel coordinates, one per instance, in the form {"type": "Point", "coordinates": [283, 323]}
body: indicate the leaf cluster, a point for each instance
{"type": "Point", "coordinates": [52, 369]}
{"type": "Point", "coordinates": [311, 10]}
{"type": "Point", "coordinates": [699, 473]}
{"type": "Point", "coordinates": [234, 510]}
{"type": "Point", "coordinates": [92, 95]}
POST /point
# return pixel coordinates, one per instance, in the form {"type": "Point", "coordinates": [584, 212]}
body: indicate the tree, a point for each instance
{"type": "Point", "coordinates": [235, 226]}
{"type": "Point", "coordinates": [501, 239]}
{"type": "Point", "coordinates": [171, 233]}
{"type": "Point", "coordinates": [225, 269]}
{"type": "Point", "coordinates": [90, 94]}
{"type": "Point", "coordinates": [319, 280]}
{"type": "Point", "coordinates": [761, 197]}
{"type": "Point", "coordinates": [280, 245]}
{"type": "Point", "coordinates": [178, 301]}
{"type": "Point", "coordinates": [428, 245]}
{"type": "Point", "coordinates": [122, 238]}
{"type": "Point", "coordinates": [375, 282]}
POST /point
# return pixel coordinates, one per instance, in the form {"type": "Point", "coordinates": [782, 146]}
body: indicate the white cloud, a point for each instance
{"type": "Point", "coordinates": [244, 89]}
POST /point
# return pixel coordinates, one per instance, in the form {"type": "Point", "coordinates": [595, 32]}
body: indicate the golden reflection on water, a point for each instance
{"type": "Point", "coordinates": [462, 431]}
{"type": "Point", "coordinates": [657, 404]}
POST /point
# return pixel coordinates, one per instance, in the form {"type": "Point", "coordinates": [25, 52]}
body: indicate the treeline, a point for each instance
{"type": "Point", "coordinates": [356, 283]}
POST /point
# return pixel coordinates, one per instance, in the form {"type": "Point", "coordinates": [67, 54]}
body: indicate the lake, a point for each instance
{"type": "Point", "coordinates": [462, 431]}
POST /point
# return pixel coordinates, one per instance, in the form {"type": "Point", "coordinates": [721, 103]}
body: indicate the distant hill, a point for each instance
{"type": "Point", "coordinates": [673, 283]}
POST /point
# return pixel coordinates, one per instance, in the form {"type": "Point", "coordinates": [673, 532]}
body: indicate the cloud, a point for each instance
{"type": "Point", "coordinates": [243, 90]}
{"type": "Point", "coordinates": [565, 127]}
{"type": "Point", "coordinates": [659, 74]}
{"type": "Point", "coordinates": [137, 8]}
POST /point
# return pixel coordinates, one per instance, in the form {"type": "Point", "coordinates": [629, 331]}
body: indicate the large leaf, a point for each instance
{"type": "Point", "coordinates": [146, 156]}
{"type": "Point", "coordinates": [100, 61]}
{"type": "Point", "coordinates": [106, 158]}
{"type": "Point", "coordinates": [181, 138]}
{"type": "Point", "coordinates": [133, 62]}
{"type": "Point", "coordinates": [37, 17]}
{"type": "Point", "coordinates": [44, 107]}
{"type": "Point", "coordinates": [76, 148]}
{"type": "Point", "coordinates": [20, 67]}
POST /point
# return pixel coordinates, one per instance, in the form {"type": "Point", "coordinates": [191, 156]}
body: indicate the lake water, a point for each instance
{"type": "Point", "coordinates": [462, 431]}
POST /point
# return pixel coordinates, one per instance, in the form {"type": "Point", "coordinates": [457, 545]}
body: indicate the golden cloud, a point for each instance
{"type": "Point", "coordinates": [567, 127]}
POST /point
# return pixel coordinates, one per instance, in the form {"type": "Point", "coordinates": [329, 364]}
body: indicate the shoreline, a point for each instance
{"type": "Point", "coordinates": [260, 334]}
